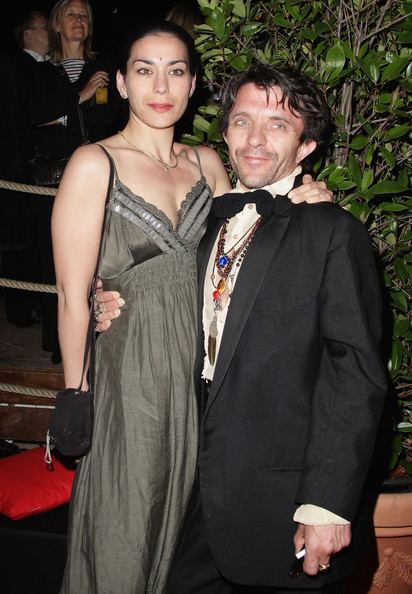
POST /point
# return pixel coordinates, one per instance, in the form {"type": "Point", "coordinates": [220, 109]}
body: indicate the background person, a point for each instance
{"type": "Point", "coordinates": [20, 259]}
{"type": "Point", "coordinates": [64, 109]}
{"type": "Point", "coordinates": [64, 105]}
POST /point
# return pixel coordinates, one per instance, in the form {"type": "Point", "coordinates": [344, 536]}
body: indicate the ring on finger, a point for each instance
{"type": "Point", "coordinates": [97, 311]}
{"type": "Point", "coordinates": [323, 566]}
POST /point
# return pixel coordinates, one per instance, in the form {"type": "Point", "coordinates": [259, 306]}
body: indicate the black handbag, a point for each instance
{"type": "Point", "coordinates": [71, 427]}
{"type": "Point", "coordinates": [46, 172]}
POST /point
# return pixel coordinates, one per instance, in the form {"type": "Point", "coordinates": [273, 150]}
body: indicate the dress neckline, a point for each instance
{"type": "Point", "coordinates": [158, 212]}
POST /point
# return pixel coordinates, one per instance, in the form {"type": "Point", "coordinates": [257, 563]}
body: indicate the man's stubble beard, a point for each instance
{"type": "Point", "coordinates": [254, 181]}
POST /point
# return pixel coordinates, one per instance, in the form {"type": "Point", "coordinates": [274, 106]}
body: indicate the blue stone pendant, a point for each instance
{"type": "Point", "coordinates": [223, 260]}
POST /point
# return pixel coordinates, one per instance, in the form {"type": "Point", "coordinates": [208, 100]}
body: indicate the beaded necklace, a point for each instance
{"type": "Point", "coordinates": [223, 263]}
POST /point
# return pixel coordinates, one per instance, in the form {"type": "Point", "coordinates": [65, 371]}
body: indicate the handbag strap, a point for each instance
{"type": "Point", "coordinates": [85, 139]}
{"type": "Point", "coordinates": [89, 348]}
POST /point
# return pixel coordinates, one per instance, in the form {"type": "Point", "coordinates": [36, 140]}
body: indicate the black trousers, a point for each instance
{"type": "Point", "coordinates": [194, 571]}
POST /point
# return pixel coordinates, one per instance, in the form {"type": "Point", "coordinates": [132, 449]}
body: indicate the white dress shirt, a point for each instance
{"type": "Point", "coordinates": [36, 56]}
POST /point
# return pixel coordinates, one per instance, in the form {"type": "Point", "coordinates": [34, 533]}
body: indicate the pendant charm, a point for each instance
{"type": "Point", "coordinates": [213, 328]}
{"type": "Point", "coordinates": [211, 343]}
{"type": "Point", "coordinates": [221, 286]}
{"type": "Point", "coordinates": [223, 260]}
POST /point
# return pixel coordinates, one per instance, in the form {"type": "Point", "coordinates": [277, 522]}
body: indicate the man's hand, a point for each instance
{"type": "Point", "coordinates": [107, 306]}
{"type": "Point", "coordinates": [311, 191]}
{"type": "Point", "coordinates": [320, 542]}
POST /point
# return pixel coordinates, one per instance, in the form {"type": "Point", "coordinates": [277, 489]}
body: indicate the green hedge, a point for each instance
{"type": "Point", "coordinates": [359, 51]}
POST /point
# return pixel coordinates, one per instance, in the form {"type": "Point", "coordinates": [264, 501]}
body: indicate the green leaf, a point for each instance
{"type": "Point", "coordinates": [200, 123]}
{"type": "Point", "coordinates": [191, 139]}
{"type": "Point", "coordinates": [210, 109]}
{"type": "Point", "coordinates": [404, 427]}
{"type": "Point", "coordinates": [337, 175]}
{"type": "Point", "coordinates": [345, 185]}
{"type": "Point", "coordinates": [213, 53]}
{"type": "Point", "coordinates": [335, 59]}
{"type": "Point", "coordinates": [394, 69]}
{"type": "Point", "coordinates": [251, 29]}
{"type": "Point", "coordinates": [356, 172]}
{"type": "Point", "coordinates": [217, 21]}
{"type": "Point", "coordinates": [239, 8]}
{"type": "Point", "coordinates": [396, 132]}
{"type": "Point", "coordinates": [401, 269]}
{"type": "Point", "coordinates": [385, 98]}
{"type": "Point", "coordinates": [281, 21]}
{"type": "Point", "coordinates": [400, 301]}
{"type": "Point", "coordinates": [396, 355]}
{"type": "Point", "coordinates": [241, 62]}
{"type": "Point", "coordinates": [388, 156]}
{"type": "Point", "coordinates": [369, 154]}
{"type": "Point", "coordinates": [309, 34]}
{"type": "Point", "coordinates": [392, 206]}
{"type": "Point", "coordinates": [213, 134]}
{"type": "Point", "coordinates": [360, 211]}
{"type": "Point", "coordinates": [367, 179]}
{"type": "Point", "coordinates": [359, 142]}
{"type": "Point", "coordinates": [294, 11]}
{"type": "Point", "coordinates": [387, 187]}
{"type": "Point", "coordinates": [348, 50]}
{"type": "Point", "coordinates": [400, 326]}
{"type": "Point", "coordinates": [370, 65]}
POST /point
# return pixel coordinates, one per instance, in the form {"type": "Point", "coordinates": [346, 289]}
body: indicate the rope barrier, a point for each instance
{"type": "Point", "coordinates": [16, 284]}
{"type": "Point", "coordinates": [41, 190]}
{"type": "Point", "coordinates": [39, 287]}
{"type": "Point", "coordinates": [16, 389]}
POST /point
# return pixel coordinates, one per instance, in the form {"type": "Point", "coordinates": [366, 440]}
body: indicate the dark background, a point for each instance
{"type": "Point", "coordinates": [111, 18]}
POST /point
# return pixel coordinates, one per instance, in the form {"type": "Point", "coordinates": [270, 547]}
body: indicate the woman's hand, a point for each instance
{"type": "Point", "coordinates": [99, 79]}
{"type": "Point", "coordinates": [107, 306]}
{"type": "Point", "coordinates": [311, 191]}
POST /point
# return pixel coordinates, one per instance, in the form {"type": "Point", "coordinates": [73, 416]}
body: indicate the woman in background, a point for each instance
{"type": "Point", "coordinates": [65, 114]}
{"type": "Point", "coordinates": [64, 103]}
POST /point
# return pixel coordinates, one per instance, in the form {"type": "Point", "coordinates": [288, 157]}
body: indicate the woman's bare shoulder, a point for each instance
{"type": "Point", "coordinates": [214, 170]}
{"type": "Point", "coordinates": [88, 159]}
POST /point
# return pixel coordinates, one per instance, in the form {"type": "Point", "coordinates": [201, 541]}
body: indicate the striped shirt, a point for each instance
{"type": "Point", "coordinates": [73, 68]}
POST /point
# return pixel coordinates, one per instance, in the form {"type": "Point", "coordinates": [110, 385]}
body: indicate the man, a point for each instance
{"type": "Point", "coordinates": [32, 38]}
{"type": "Point", "coordinates": [32, 35]}
{"type": "Point", "coordinates": [21, 258]}
{"type": "Point", "coordinates": [292, 382]}
{"type": "Point", "coordinates": [36, 264]}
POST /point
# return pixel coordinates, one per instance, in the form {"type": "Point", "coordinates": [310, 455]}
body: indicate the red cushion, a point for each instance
{"type": "Point", "coordinates": [28, 488]}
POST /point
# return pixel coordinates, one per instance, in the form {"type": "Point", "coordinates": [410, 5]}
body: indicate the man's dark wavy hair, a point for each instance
{"type": "Point", "coordinates": [303, 95]}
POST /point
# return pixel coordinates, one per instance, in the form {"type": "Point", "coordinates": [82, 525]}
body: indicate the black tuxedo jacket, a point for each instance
{"type": "Point", "coordinates": [297, 391]}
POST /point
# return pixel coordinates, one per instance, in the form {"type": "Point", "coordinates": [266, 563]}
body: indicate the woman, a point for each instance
{"type": "Point", "coordinates": [63, 98]}
{"type": "Point", "coordinates": [131, 490]}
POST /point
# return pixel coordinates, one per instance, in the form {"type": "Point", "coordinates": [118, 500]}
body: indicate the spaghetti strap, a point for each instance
{"type": "Point", "coordinates": [198, 161]}
{"type": "Point", "coordinates": [113, 164]}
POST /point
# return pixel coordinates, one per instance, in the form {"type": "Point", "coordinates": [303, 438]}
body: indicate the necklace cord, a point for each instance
{"type": "Point", "coordinates": [166, 166]}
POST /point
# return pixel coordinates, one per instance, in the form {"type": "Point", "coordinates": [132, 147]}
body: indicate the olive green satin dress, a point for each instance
{"type": "Point", "coordinates": [131, 490]}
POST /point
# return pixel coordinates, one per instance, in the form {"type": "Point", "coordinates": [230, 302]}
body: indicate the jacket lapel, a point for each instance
{"type": "Point", "coordinates": [251, 275]}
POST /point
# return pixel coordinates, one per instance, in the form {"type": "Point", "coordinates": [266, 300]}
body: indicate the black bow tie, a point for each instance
{"type": "Point", "coordinates": [226, 206]}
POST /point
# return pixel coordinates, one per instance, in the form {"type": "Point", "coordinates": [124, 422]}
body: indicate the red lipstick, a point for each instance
{"type": "Point", "coordinates": [161, 107]}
